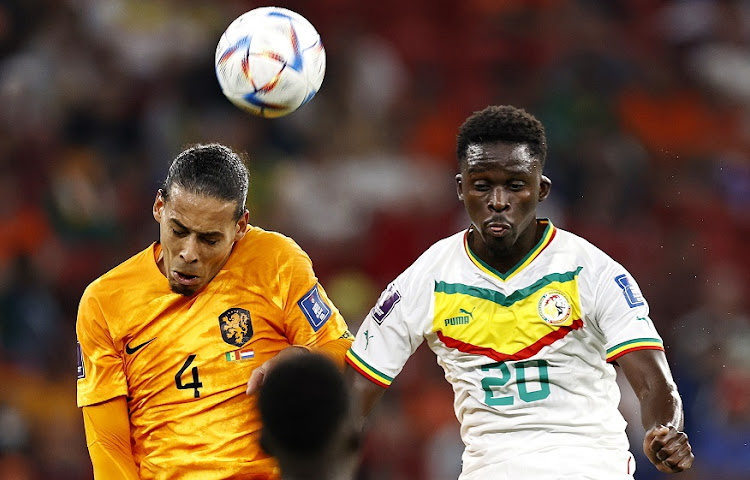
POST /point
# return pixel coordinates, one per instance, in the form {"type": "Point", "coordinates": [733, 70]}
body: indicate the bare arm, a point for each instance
{"type": "Point", "coordinates": [665, 444]}
{"type": "Point", "coordinates": [108, 438]}
{"type": "Point", "coordinates": [364, 395]}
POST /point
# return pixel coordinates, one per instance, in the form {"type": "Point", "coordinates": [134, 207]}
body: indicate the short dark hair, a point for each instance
{"type": "Point", "coordinates": [303, 404]}
{"type": "Point", "coordinates": [502, 123]}
{"type": "Point", "coordinates": [210, 169]}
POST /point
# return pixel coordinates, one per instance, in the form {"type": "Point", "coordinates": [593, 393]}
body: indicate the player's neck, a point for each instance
{"type": "Point", "coordinates": [160, 262]}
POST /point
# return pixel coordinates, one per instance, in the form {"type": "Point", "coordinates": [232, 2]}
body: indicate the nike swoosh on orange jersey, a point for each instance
{"type": "Point", "coordinates": [131, 351]}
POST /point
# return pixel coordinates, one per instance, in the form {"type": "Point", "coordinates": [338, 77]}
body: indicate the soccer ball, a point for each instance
{"type": "Point", "coordinates": [270, 61]}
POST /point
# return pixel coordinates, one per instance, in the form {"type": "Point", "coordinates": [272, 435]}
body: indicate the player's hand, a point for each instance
{"type": "Point", "coordinates": [668, 449]}
{"type": "Point", "coordinates": [259, 374]}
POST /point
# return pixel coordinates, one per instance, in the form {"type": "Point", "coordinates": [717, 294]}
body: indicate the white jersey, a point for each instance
{"type": "Point", "coordinates": [528, 352]}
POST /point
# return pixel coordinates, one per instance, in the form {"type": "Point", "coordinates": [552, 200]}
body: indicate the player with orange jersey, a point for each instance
{"type": "Point", "coordinates": [169, 338]}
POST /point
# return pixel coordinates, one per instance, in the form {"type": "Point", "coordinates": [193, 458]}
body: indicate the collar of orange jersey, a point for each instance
{"type": "Point", "coordinates": [547, 236]}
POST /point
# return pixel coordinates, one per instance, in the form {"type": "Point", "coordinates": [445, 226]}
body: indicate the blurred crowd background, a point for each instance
{"type": "Point", "coordinates": [647, 110]}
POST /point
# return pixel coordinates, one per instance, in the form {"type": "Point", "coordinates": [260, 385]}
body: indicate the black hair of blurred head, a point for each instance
{"type": "Point", "coordinates": [212, 170]}
{"type": "Point", "coordinates": [502, 123]}
{"type": "Point", "coordinates": [303, 405]}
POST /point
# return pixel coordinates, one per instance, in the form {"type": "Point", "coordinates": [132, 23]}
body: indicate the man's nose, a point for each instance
{"type": "Point", "coordinates": [189, 251]}
{"type": "Point", "coordinates": [498, 199]}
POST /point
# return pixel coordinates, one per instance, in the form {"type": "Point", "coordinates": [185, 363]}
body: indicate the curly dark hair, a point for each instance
{"type": "Point", "coordinates": [302, 404]}
{"type": "Point", "coordinates": [502, 123]}
{"type": "Point", "coordinates": [210, 169]}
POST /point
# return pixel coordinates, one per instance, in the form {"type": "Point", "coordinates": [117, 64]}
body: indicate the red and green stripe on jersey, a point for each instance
{"type": "Point", "coordinates": [632, 345]}
{"type": "Point", "coordinates": [515, 326]}
{"type": "Point", "coordinates": [369, 372]}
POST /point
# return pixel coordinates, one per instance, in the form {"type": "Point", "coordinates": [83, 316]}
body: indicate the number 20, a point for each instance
{"type": "Point", "coordinates": [521, 383]}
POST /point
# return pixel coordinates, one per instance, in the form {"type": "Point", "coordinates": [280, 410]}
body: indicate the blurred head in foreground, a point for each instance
{"type": "Point", "coordinates": [307, 426]}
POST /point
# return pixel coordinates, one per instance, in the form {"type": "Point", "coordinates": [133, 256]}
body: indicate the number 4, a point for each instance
{"type": "Point", "coordinates": [195, 384]}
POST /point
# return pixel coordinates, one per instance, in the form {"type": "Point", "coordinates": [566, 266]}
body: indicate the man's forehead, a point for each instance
{"type": "Point", "coordinates": [490, 149]}
{"type": "Point", "coordinates": [198, 212]}
{"type": "Point", "coordinates": [509, 156]}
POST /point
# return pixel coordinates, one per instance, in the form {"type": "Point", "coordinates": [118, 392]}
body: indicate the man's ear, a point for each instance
{"type": "Point", "coordinates": [545, 184]}
{"type": "Point", "coordinates": [241, 227]}
{"type": "Point", "coordinates": [459, 183]}
{"type": "Point", "coordinates": [158, 208]}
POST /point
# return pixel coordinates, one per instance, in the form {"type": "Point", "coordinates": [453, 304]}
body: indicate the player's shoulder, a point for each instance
{"type": "Point", "coordinates": [581, 251]}
{"type": "Point", "coordinates": [571, 242]}
{"type": "Point", "coordinates": [261, 235]}
{"type": "Point", "coordinates": [439, 255]}
{"type": "Point", "coordinates": [448, 243]}
{"type": "Point", "coordinates": [126, 276]}
{"type": "Point", "coordinates": [260, 246]}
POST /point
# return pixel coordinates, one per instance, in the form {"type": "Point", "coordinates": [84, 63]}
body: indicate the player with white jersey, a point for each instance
{"type": "Point", "coordinates": [526, 321]}
{"type": "Point", "coordinates": [525, 352]}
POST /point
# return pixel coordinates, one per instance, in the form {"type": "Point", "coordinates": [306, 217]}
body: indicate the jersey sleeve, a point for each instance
{"type": "Point", "coordinates": [100, 366]}
{"type": "Point", "coordinates": [623, 314]}
{"type": "Point", "coordinates": [392, 330]}
{"type": "Point", "coordinates": [310, 317]}
{"type": "Point", "coordinates": [108, 438]}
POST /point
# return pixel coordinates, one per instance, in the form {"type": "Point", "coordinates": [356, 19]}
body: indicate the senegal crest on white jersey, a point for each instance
{"type": "Point", "coordinates": [525, 350]}
{"type": "Point", "coordinates": [521, 324]}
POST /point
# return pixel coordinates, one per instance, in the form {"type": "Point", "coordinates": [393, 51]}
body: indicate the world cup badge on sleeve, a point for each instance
{"type": "Point", "coordinates": [79, 354]}
{"type": "Point", "coordinates": [316, 310]}
{"type": "Point", "coordinates": [632, 295]}
{"type": "Point", "coordinates": [388, 299]}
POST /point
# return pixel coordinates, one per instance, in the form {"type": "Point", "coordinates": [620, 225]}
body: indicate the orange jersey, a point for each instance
{"type": "Point", "coordinates": [183, 362]}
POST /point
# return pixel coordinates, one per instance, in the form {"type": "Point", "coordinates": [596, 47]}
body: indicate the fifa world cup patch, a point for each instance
{"type": "Point", "coordinates": [79, 354]}
{"type": "Point", "coordinates": [388, 299]}
{"type": "Point", "coordinates": [315, 309]}
{"type": "Point", "coordinates": [632, 295]}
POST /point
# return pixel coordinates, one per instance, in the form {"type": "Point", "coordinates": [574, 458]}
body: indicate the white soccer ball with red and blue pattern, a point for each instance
{"type": "Point", "coordinates": [270, 61]}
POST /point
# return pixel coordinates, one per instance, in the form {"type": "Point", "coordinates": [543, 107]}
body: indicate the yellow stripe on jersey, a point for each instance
{"type": "Point", "coordinates": [632, 345]}
{"type": "Point", "coordinates": [370, 373]}
{"type": "Point", "coordinates": [547, 236]}
{"type": "Point", "coordinates": [516, 326]}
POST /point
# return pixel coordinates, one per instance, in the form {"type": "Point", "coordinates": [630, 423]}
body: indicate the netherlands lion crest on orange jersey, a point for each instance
{"type": "Point", "coordinates": [554, 307]}
{"type": "Point", "coordinates": [236, 328]}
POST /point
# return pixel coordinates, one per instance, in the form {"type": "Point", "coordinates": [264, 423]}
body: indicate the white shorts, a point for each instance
{"type": "Point", "coordinates": [557, 464]}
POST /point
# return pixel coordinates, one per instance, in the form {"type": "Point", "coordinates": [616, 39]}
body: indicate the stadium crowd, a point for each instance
{"type": "Point", "coordinates": [647, 109]}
